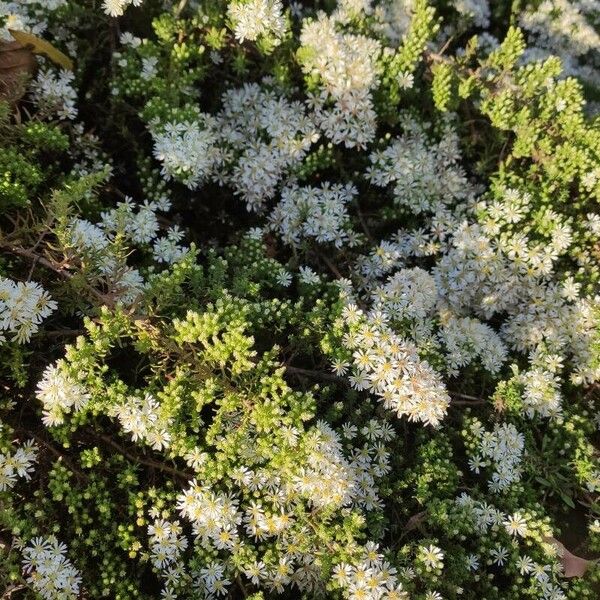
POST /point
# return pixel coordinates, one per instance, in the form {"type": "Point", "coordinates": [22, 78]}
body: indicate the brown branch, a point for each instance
{"type": "Point", "coordinates": [331, 266]}
{"type": "Point", "coordinates": [182, 4]}
{"type": "Point", "coordinates": [241, 585]}
{"type": "Point", "coordinates": [37, 258]}
{"type": "Point", "coordinates": [42, 442]}
{"type": "Point", "coordinates": [465, 399]}
{"type": "Point", "coordinates": [316, 374]}
{"type": "Point", "coordinates": [59, 270]}
{"type": "Point", "coordinates": [63, 333]}
{"type": "Point", "coordinates": [12, 589]}
{"type": "Point", "coordinates": [144, 461]}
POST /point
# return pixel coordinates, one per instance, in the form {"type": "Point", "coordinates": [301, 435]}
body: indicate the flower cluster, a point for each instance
{"type": "Point", "coordinates": [17, 464]}
{"type": "Point", "coordinates": [59, 395]}
{"type": "Point", "coordinates": [319, 213]}
{"type": "Point", "coordinates": [23, 307]}
{"type": "Point", "coordinates": [166, 542]}
{"type": "Point", "coordinates": [360, 277]}
{"type": "Point", "coordinates": [255, 18]}
{"type": "Point", "coordinates": [513, 545]}
{"type": "Point", "coordinates": [185, 149]}
{"type": "Point", "coordinates": [331, 480]}
{"type": "Point", "coordinates": [50, 573]}
{"type": "Point", "coordinates": [115, 8]}
{"type": "Point", "coordinates": [263, 135]}
{"type": "Point", "coordinates": [390, 366]}
{"type": "Point", "coordinates": [466, 339]}
{"type": "Point", "coordinates": [501, 450]}
{"type": "Point", "coordinates": [566, 29]}
{"type": "Point", "coordinates": [373, 577]}
{"type": "Point", "coordinates": [100, 246]}
{"type": "Point", "coordinates": [424, 176]}
{"type": "Point", "coordinates": [140, 418]}
{"type": "Point", "coordinates": [407, 294]}
{"type": "Point", "coordinates": [345, 65]}
{"type": "Point", "coordinates": [54, 93]}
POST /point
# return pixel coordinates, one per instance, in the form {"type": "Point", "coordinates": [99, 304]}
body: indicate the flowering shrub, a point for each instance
{"type": "Point", "coordinates": [299, 299]}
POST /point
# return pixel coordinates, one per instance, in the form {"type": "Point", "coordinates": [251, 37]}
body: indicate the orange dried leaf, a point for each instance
{"type": "Point", "coordinates": [40, 46]}
{"type": "Point", "coordinates": [17, 64]}
{"type": "Point", "coordinates": [573, 566]}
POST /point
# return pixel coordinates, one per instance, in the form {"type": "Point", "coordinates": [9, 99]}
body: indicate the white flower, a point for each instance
{"type": "Point", "coordinates": [499, 555]}
{"type": "Point", "coordinates": [186, 149]}
{"type": "Point", "coordinates": [466, 339]}
{"type": "Point", "coordinates": [149, 69]}
{"type": "Point", "coordinates": [307, 276]}
{"type": "Point", "coordinates": [23, 306]}
{"type": "Point", "coordinates": [311, 212]}
{"type": "Point", "coordinates": [541, 394]}
{"type": "Point", "coordinates": [55, 94]}
{"type": "Point", "coordinates": [389, 366]}
{"type": "Point", "coordinates": [347, 67]}
{"type": "Point", "coordinates": [284, 278]}
{"type": "Point", "coordinates": [255, 18]}
{"type": "Point", "coordinates": [213, 515]}
{"type": "Point", "coordinates": [166, 543]}
{"type": "Point", "coordinates": [115, 8]}
{"type": "Point", "coordinates": [406, 80]}
{"type": "Point", "coordinates": [261, 136]}
{"type": "Point", "coordinates": [340, 367]}
{"type": "Point", "coordinates": [408, 293]}
{"type": "Point", "coordinates": [524, 564]}
{"type": "Point", "coordinates": [516, 525]}
{"type": "Point", "coordinates": [478, 10]}
{"type": "Point", "coordinates": [18, 464]}
{"type": "Point", "coordinates": [431, 556]}
{"type": "Point", "coordinates": [141, 418]}
{"type": "Point", "coordinates": [503, 449]}
{"type": "Point", "coordinates": [472, 562]}
{"type": "Point", "coordinates": [425, 176]}
{"type": "Point", "coordinates": [59, 394]}
{"type": "Point", "coordinates": [49, 571]}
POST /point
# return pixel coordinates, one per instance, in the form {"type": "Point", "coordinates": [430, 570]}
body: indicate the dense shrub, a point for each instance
{"type": "Point", "coordinates": [299, 299]}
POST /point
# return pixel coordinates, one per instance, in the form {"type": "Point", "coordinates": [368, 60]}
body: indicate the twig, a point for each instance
{"type": "Point", "coordinates": [8, 593]}
{"type": "Point", "coordinates": [63, 332]}
{"type": "Point", "coordinates": [331, 266]}
{"type": "Point", "coordinates": [465, 399]}
{"type": "Point", "coordinates": [445, 46]}
{"type": "Point", "coordinates": [64, 273]}
{"type": "Point", "coordinates": [42, 442]}
{"type": "Point", "coordinates": [145, 461]}
{"type": "Point", "coordinates": [315, 374]}
{"type": "Point", "coordinates": [241, 585]}
{"type": "Point", "coordinates": [182, 4]}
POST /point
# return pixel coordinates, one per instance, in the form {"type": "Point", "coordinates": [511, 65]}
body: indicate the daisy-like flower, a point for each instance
{"type": "Point", "coordinates": [254, 18]}
{"type": "Point", "coordinates": [524, 564]}
{"type": "Point", "coordinates": [516, 525]}
{"type": "Point", "coordinates": [499, 555]}
{"type": "Point", "coordinates": [472, 562]}
{"type": "Point", "coordinates": [431, 556]}
{"type": "Point", "coordinates": [340, 367]}
{"type": "Point", "coordinates": [59, 394]}
{"type": "Point", "coordinates": [284, 278]}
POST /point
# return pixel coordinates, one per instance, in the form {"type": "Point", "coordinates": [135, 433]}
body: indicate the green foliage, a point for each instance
{"type": "Point", "coordinates": [206, 401]}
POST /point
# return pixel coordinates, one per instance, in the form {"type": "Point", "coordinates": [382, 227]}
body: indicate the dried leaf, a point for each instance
{"type": "Point", "coordinates": [40, 46]}
{"type": "Point", "coordinates": [17, 64]}
{"type": "Point", "coordinates": [573, 566]}
{"type": "Point", "coordinates": [414, 521]}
